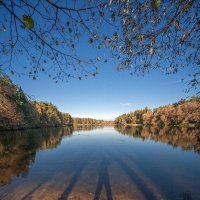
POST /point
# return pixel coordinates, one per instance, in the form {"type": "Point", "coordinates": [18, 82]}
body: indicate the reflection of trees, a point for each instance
{"type": "Point", "coordinates": [86, 127]}
{"type": "Point", "coordinates": [187, 139]}
{"type": "Point", "coordinates": [18, 149]}
{"type": "Point", "coordinates": [134, 131]}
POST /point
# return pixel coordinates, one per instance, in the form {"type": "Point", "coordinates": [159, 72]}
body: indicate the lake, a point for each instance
{"type": "Point", "coordinates": [94, 163]}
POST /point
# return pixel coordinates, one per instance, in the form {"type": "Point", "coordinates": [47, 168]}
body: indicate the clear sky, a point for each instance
{"type": "Point", "coordinates": [107, 95]}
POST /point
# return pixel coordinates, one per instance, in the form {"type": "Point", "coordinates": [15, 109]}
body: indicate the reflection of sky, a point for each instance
{"type": "Point", "coordinates": [133, 167]}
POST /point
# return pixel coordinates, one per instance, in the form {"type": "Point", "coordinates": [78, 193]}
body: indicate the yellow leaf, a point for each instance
{"type": "Point", "coordinates": [28, 21]}
{"type": "Point", "coordinates": [155, 4]}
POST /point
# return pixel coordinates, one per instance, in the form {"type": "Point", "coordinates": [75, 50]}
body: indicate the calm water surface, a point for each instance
{"type": "Point", "coordinates": [102, 163]}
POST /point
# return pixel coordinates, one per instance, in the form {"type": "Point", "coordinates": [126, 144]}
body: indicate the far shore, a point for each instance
{"type": "Point", "coordinates": [102, 125]}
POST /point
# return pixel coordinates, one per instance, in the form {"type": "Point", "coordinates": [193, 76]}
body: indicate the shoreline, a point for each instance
{"type": "Point", "coordinates": [102, 125]}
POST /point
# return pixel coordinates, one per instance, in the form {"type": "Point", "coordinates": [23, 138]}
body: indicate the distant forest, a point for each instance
{"type": "Point", "coordinates": [77, 121]}
{"type": "Point", "coordinates": [183, 113]}
{"type": "Point", "coordinates": [18, 111]}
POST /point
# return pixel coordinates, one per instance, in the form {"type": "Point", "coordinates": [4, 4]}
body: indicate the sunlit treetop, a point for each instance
{"type": "Point", "coordinates": [140, 35]}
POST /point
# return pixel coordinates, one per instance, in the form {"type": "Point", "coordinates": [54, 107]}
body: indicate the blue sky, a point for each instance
{"type": "Point", "coordinates": [107, 95]}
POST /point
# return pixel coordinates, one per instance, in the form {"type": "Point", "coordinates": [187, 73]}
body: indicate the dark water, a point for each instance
{"type": "Point", "coordinates": [102, 163]}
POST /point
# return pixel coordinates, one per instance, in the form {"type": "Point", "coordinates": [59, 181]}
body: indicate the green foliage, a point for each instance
{"type": "Point", "coordinates": [5, 80]}
{"type": "Point", "coordinates": [90, 40]}
{"type": "Point", "coordinates": [28, 21]}
{"type": "Point", "coordinates": [155, 4]}
{"type": "Point", "coordinates": [67, 119]}
{"type": "Point", "coordinates": [44, 107]}
{"type": "Point", "coordinates": [195, 98]}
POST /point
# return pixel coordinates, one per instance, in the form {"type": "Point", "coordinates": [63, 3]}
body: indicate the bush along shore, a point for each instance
{"type": "Point", "coordinates": [185, 113]}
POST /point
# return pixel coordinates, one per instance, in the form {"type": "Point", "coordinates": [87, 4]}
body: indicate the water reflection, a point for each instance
{"type": "Point", "coordinates": [65, 194]}
{"type": "Point", "coordinates": [187, 139]}
{"type": "Point", "coordinates": [18, 149]}
{"type": "Point", "coordinates": [55, 164]}
{"type": "Point", "coordinates": [86, 127]}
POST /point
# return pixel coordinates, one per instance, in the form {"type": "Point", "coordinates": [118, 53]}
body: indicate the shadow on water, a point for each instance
{"type": "Point", "coordinates": [18, 151]}
{"type": "Point", "coordinates": [27, 196]}
{"type": "Point", "coordinates": [74, 180]}
{"type": "Point", "coordinates": [148, 194]}
{"type": "Point", "coordinates": [103, 181]}
{"type": "Point", "coordinates": [186, 196]}
{"type": "Point", "coordinates": [187, 139]}
{"type": "Point", "coordinates": [183, 196]}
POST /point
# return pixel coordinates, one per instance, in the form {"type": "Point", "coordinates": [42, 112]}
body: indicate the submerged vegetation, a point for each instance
{"type": "Point", "coordinates": [183, 113]}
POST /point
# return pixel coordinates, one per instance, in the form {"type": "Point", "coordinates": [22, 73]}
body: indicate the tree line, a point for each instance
{"type": "Point", "coordinates": [184, 112]}
{"type": "Point", "coordinates": [19, 111]}
{"type": "Point", "coordinates": [86, 121]}
{"type": "Point", "coordinates": [77, 121]}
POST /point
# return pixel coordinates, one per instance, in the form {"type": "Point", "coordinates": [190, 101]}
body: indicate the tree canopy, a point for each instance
{"type": "Point", "coordinates": [184, 113]}
{"type": "Point", "coordinates": [142, 35]}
